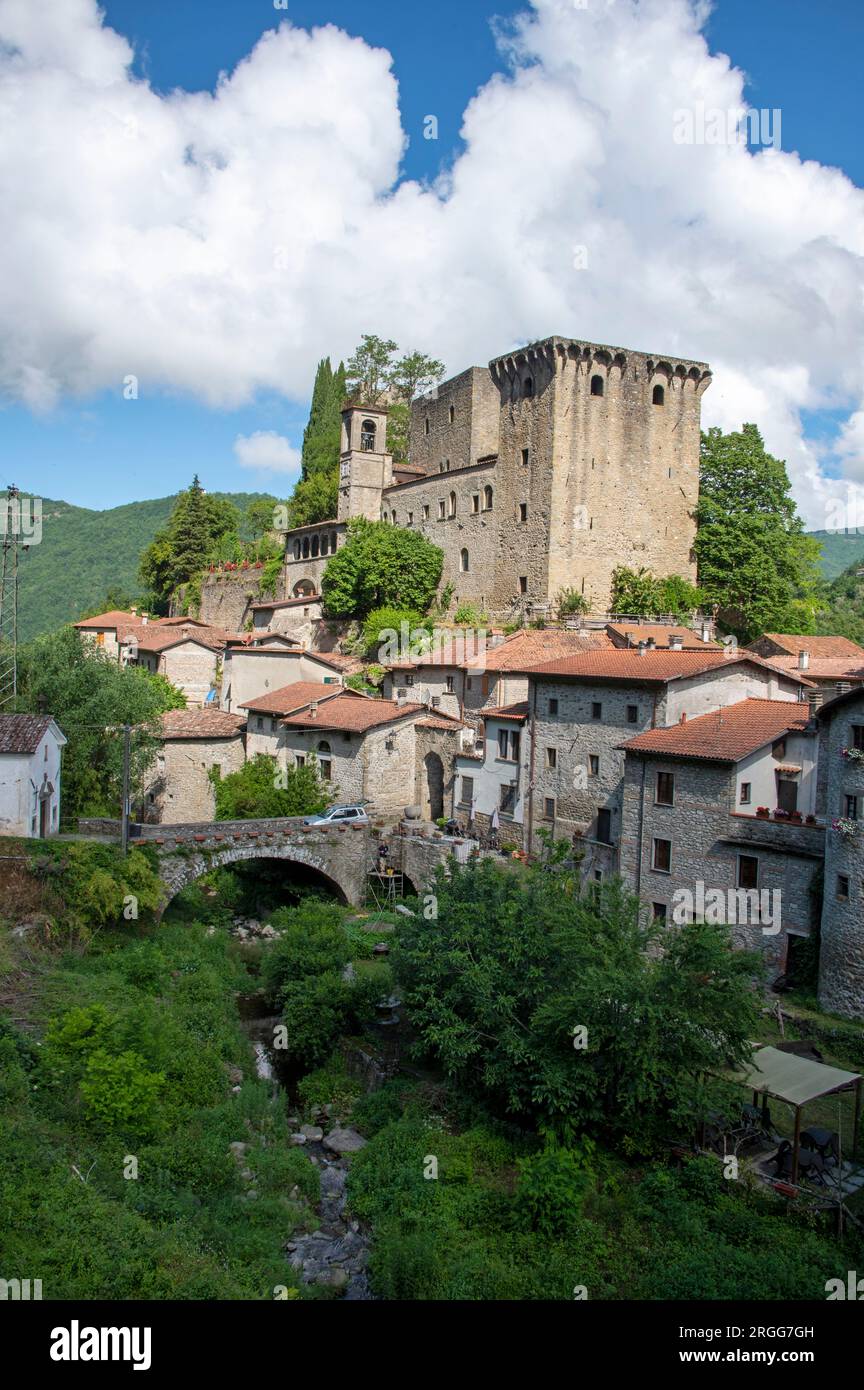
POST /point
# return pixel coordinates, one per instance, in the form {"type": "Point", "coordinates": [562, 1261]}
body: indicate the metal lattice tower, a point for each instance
{"type": "Point", "coordinates": [9, 554]}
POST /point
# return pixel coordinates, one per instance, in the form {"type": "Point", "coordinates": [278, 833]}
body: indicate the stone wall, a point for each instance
{"type": "Point", "coordinates": [457, 422]}
{"type": "Point", "coordinates": [227, 599]}
{"type": "Point", "coordinates": [178, 787]}
{"type": "Point", "coordinates": [841, 958]}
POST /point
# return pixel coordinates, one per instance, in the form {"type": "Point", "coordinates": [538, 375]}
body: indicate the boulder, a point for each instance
{"type": "Point", "coordinates": [344, 1141]}
{"type": "Point", "coordinates": [314, 1133]}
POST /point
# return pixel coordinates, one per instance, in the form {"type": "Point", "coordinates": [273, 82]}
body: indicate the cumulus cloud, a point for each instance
{"type": "Point", "coordinates": [220, 243]}
{"type": "Point", "coordinates": [267, 451]}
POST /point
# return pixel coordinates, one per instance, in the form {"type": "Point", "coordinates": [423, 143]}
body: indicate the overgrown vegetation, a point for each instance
{"type": "Point", "coordinates": [380, 565]}
{"type": "Point", "coordinates": [262, 789]}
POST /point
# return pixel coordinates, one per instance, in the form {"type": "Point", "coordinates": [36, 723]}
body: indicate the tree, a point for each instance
{"type": "Point", "coordinates": [755, 562]}
{"type": "Point", "coordinates": [261, 790]}
{"type": "Point", "coordinates": [91, 697]}
{"type": "Point", "coordinates": [563, 1008]}
{"type": "Point", "coordinates": [413, 375]}
{"type": "Point", "coordinates": [182, 549]}
{"type": "Point", "coordinates": [321, 436]}
{"type": "Point", "coordinates": [315, 498]}
{"type": "Point", "coordinates": [640, 594]}
{"type": "Point", "coordinates": [380, 565]}
{"type": "Point", "coordinates": [369, 370]}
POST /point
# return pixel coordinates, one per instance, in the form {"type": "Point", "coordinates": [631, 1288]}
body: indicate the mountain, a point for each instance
{"type": "Point", "coordinates": [840, 549]}
{"type": "Point", "coordinates": [85, 553]}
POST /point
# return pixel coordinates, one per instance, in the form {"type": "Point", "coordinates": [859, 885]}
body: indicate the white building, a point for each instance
{"type": "Point", "coordinates": [30, 755]}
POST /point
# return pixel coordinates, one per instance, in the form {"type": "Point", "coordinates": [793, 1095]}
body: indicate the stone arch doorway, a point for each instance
{"type": "Point", "coordinates": [304, 588]}
{"type": "Point", "coordinates": [433, 787]}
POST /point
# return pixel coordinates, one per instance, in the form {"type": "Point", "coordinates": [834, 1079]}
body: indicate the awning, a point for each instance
{"type": "Point", "coordinates": [791, 1078]}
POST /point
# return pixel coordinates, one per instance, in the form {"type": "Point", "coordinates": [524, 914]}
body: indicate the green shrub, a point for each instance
{"type": "Point", "coordinates": [553, 1186]}
{"type": "Point", "coordinates": [120, 1094]}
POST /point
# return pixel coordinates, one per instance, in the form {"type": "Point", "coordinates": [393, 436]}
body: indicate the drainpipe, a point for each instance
{"type": "Point", "coordinates": [531, 772]}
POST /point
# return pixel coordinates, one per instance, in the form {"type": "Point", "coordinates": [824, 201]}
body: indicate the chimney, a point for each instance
{"type": "Point", "coordinates": [803, 661]}
{"type": "Point", "coordinates": [706, 632]}
{"type": "Point", "coordinates": [650, 644]}
{"type": "Point", "coordinates": [683, 719]}
{"type": "Point", "coordinates": [641, 649]}
{"type": "Point", "coordinates": [313, 710]}
{"type": "Point", "coordinates": [144, 620]}
{"type": "Point", "coordinates": [676, 642]}
{"type": "Point", "coordinates": [134, 611]}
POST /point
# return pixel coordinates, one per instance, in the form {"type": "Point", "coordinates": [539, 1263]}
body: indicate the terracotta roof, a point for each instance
{"type": "Point", "coordinates": [651, 667]}
{"type": "Point", "coordinates": [821, 668]}
{"type": "Point", "coordinates": [353, 715]}
{"type": "Point", "coordinates": [793, 643]}
{"type": "Point", "coordinates": [294, 697]}
{"type": "Point", "coordinates": [115, 617]}
{"type": "Point", "coordinates": [450, 726]}
{"type": "Point", "coordinates": [287, 602]}
{"type": "Point", "coordinates": [659, 632]}
{"type": "Point", "coordinates": [513, 654]}
{"type": "Point", "coordinates": [201, 723]}
{"type": "Point", "coordinates": [519, 712]}
{"type": "Point", "coordinates": [156, 639]}
{"type": "Point", "coordinates": [22, 733]}
{"type": "Point", "coordinates": [726, 735]}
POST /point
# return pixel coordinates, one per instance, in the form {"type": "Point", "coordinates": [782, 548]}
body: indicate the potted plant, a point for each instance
{"type": "Point", "coordinates": [763, 811]}
{"type": "Point", "coordinates": [852, 755]}
{"type": "Point", "coordinates": [796, 816]}
{"type": "Point", "coordinates": [810, 820]}
{"type": "Point", "coordinates": [848, 829]}
{"type": "Point", "coordinates": [780, 814]}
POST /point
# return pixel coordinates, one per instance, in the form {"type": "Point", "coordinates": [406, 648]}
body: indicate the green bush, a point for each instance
{"type": "Point", "coordinates": [120, 1094]}
{"type": "Point", "coordinates": [553, 1186]}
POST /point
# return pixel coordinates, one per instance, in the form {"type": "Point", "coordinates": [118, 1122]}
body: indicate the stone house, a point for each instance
{"type": "Point", "coordinates": [190, 658]}
{"type": "Point", "coordinates": [493, 776]}
{"type": "Point", "coordinates": [670, 635]}
{"type": "Point", "coordinates": [833, 665]}
{"type": "Point", "coordinates": [691, 842]}
{"type": "Point", "coordinates": [841, 786]}
{"type": "Point", "coordinates": [265, 732]}
{"type": "Point", "coordinates": [294, 617]}
{"type": "Point", "coordinates": [30, 770]}
{"type": "Point", "coordinates": [178, 789]}
{"type": "Point", "coordinates": [527, 473]}
{"type": "Point", "coordinates": [582, 709]}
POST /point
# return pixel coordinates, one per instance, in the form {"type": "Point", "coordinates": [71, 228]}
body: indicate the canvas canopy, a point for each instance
{"type": "Point", "coordinates": [791, 1078]}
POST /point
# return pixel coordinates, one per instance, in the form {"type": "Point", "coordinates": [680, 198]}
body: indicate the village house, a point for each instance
{"type": "Point", "coordinates": [178, 789]}
{"type": "Point", "coordinates": [30, 770]}
{"type": "Point", "coordinates": [297, 618]}
{"type": "Point", "coordinates": [832, 664]}
{"type": "Point", "coordinates": [492, 777]}
{"type": "Point", "coordinates": [266, 734]}
{"type": "Point", "coordinates": [699, 837]}
{"type": "Point", "coordinates": [271, 662]}
{"type": "Point", "coordinates": [841, 791]}
{"type": "Point", "coordinates": [583, 708]}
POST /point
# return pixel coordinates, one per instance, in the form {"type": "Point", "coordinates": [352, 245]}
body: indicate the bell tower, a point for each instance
{"type": "Point", "coordinates": [365, 467]}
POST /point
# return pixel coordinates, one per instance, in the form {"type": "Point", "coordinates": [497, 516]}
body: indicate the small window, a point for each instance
{"type": "Point", "coordinates": [475, 502]}
{"type": "Point", "coordinates": [441, 466]}
{"type": "Point", "coordinates": [452, 502]}
{"type": "Point", "coordinates": [596, 386]}
{"type": "Point", "coordinates": [745, 793]}
{"type": "Point", "coordinates": [748, 871]}
{"type": "Point", "coordinates": [367, 436]}
{"type": "Point", "coordinates": [452, 414]}
{"type": "Point", "coordinates": [409, 678]}
{"type": "Point", "coordinates": [842, 887]}
{"type": "Point", "coordinates": [442, 508]}
{"type": "Point", "coordinates": [523, 583]}
{"type": "Point", "coordinates": [325, 545]}
{"type": "Point", "coordinates": [778, 750]}
{"type": "Point", "coordinates": [553, 709]}
{"type": "Point", "coordinates": [528, 387]}
{"type": "Point", "coordinates": [426, 425]}
{"type": "Point", "coordinates": [662, 858]}
{"type": "Point", "coordinates": [604, 825]}
{"type": "Point", "coordinates": [487, 499]}
{"type": "Point", "coordinates": [449, 683]}
{"type": "Point", "coordinates": [858, 736]}
{"type": "Point", "coordinates": [426, 512]}
{"type": "Point", "coordinates": [300, 760]}
{"type": "Point", "coordinates": [851, 811]}
{"type": "Point", "coordinates": [315, 547]}
{"type": "Point", "coordinates": [526, 457]}
{"type": "Point", "coordinates": [548, 808]}
{"type": "Point", "coordinates": [658, 912]}
{"type": "Point", "coordinates": [463, 561]}
{"type": "Point", "coordinates": [665, 789]}
{"type": "Point", "coordinates": [594, 764]}
{"type": "Point", "coordinates": [632, 714]}
{"type": "Point", "coordinates": [507, 800]}
{"type": "Point", "coordinates": [260, 722]}
{"type": "Point", "coordinates": [410, 518]}
{"type": "Point", "coordinates": [467, 791]}
{"type": "Point", "coordinates": [596, 710]}
{"type": "Point", "coordinates": [523, 511]}
{"type": "Point", "coordinates": [446, 465]}
{"type": "Point", "coordinates": [658, 396]}
{"type": "Point", "coordinates": [551, 757]}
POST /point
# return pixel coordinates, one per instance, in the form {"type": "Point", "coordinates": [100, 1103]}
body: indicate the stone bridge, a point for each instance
{"type": "Point", "coordinates": [344, 856]}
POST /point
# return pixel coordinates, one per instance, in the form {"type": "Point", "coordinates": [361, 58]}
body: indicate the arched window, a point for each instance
{"type": "Point", "coordinates": [333, 542]}
{"type": "Point", "coordinates": [296, 550]}
{"type": "Point", "coordinates": [658, 396]}
{"type": "Point", "coordinates": [305, 547]}
{"type": "Point", "coordinates": [441, 466]}
{"type": "Point", "coordinates": [487, 499]}
{"type": "Point", "coordinates": [325, 544]}
{"type": "Point", "coordinates": [325, 764]}
{"type": "Point", "coordinates": [463, 561]}
{"type": "Point", "coordinates": [315, 547]}
{"type": "Point", "coordinates": [367, 436]}
{"type": "Point", "coordinates": [596, 386]}
{"type": "Point", "coordinates": [528, 387]}
{"type": "Point", "coordinates": [452, 504]}
{"type": "Point", "coordinates": [393, 517]}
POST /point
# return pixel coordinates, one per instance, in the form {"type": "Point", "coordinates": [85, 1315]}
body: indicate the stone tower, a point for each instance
{"type": "Point", "coordinates": [365, 467]}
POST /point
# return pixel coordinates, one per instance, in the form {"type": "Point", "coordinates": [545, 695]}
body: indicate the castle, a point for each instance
{"type": "Point", "coordinates": [536, 474]}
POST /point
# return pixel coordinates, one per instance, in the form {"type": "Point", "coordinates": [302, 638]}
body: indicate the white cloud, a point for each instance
{"type": "Point", "coordinates": [267, 451]}
{"type": "Point", "coordinates": [221, 243]}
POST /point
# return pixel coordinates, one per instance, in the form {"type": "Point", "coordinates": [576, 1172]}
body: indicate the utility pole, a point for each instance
{"type": "Point", "coordinates": [124, 810]}
{"type": "Point", "coordinates": [9, 531]}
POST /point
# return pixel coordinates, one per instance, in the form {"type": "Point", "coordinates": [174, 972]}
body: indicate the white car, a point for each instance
{"type": "Point", "coordinates": [353, 814]}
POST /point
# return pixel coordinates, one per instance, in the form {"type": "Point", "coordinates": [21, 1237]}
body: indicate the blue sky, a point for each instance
{"type": "Point", "coordinates": [100, 450]}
